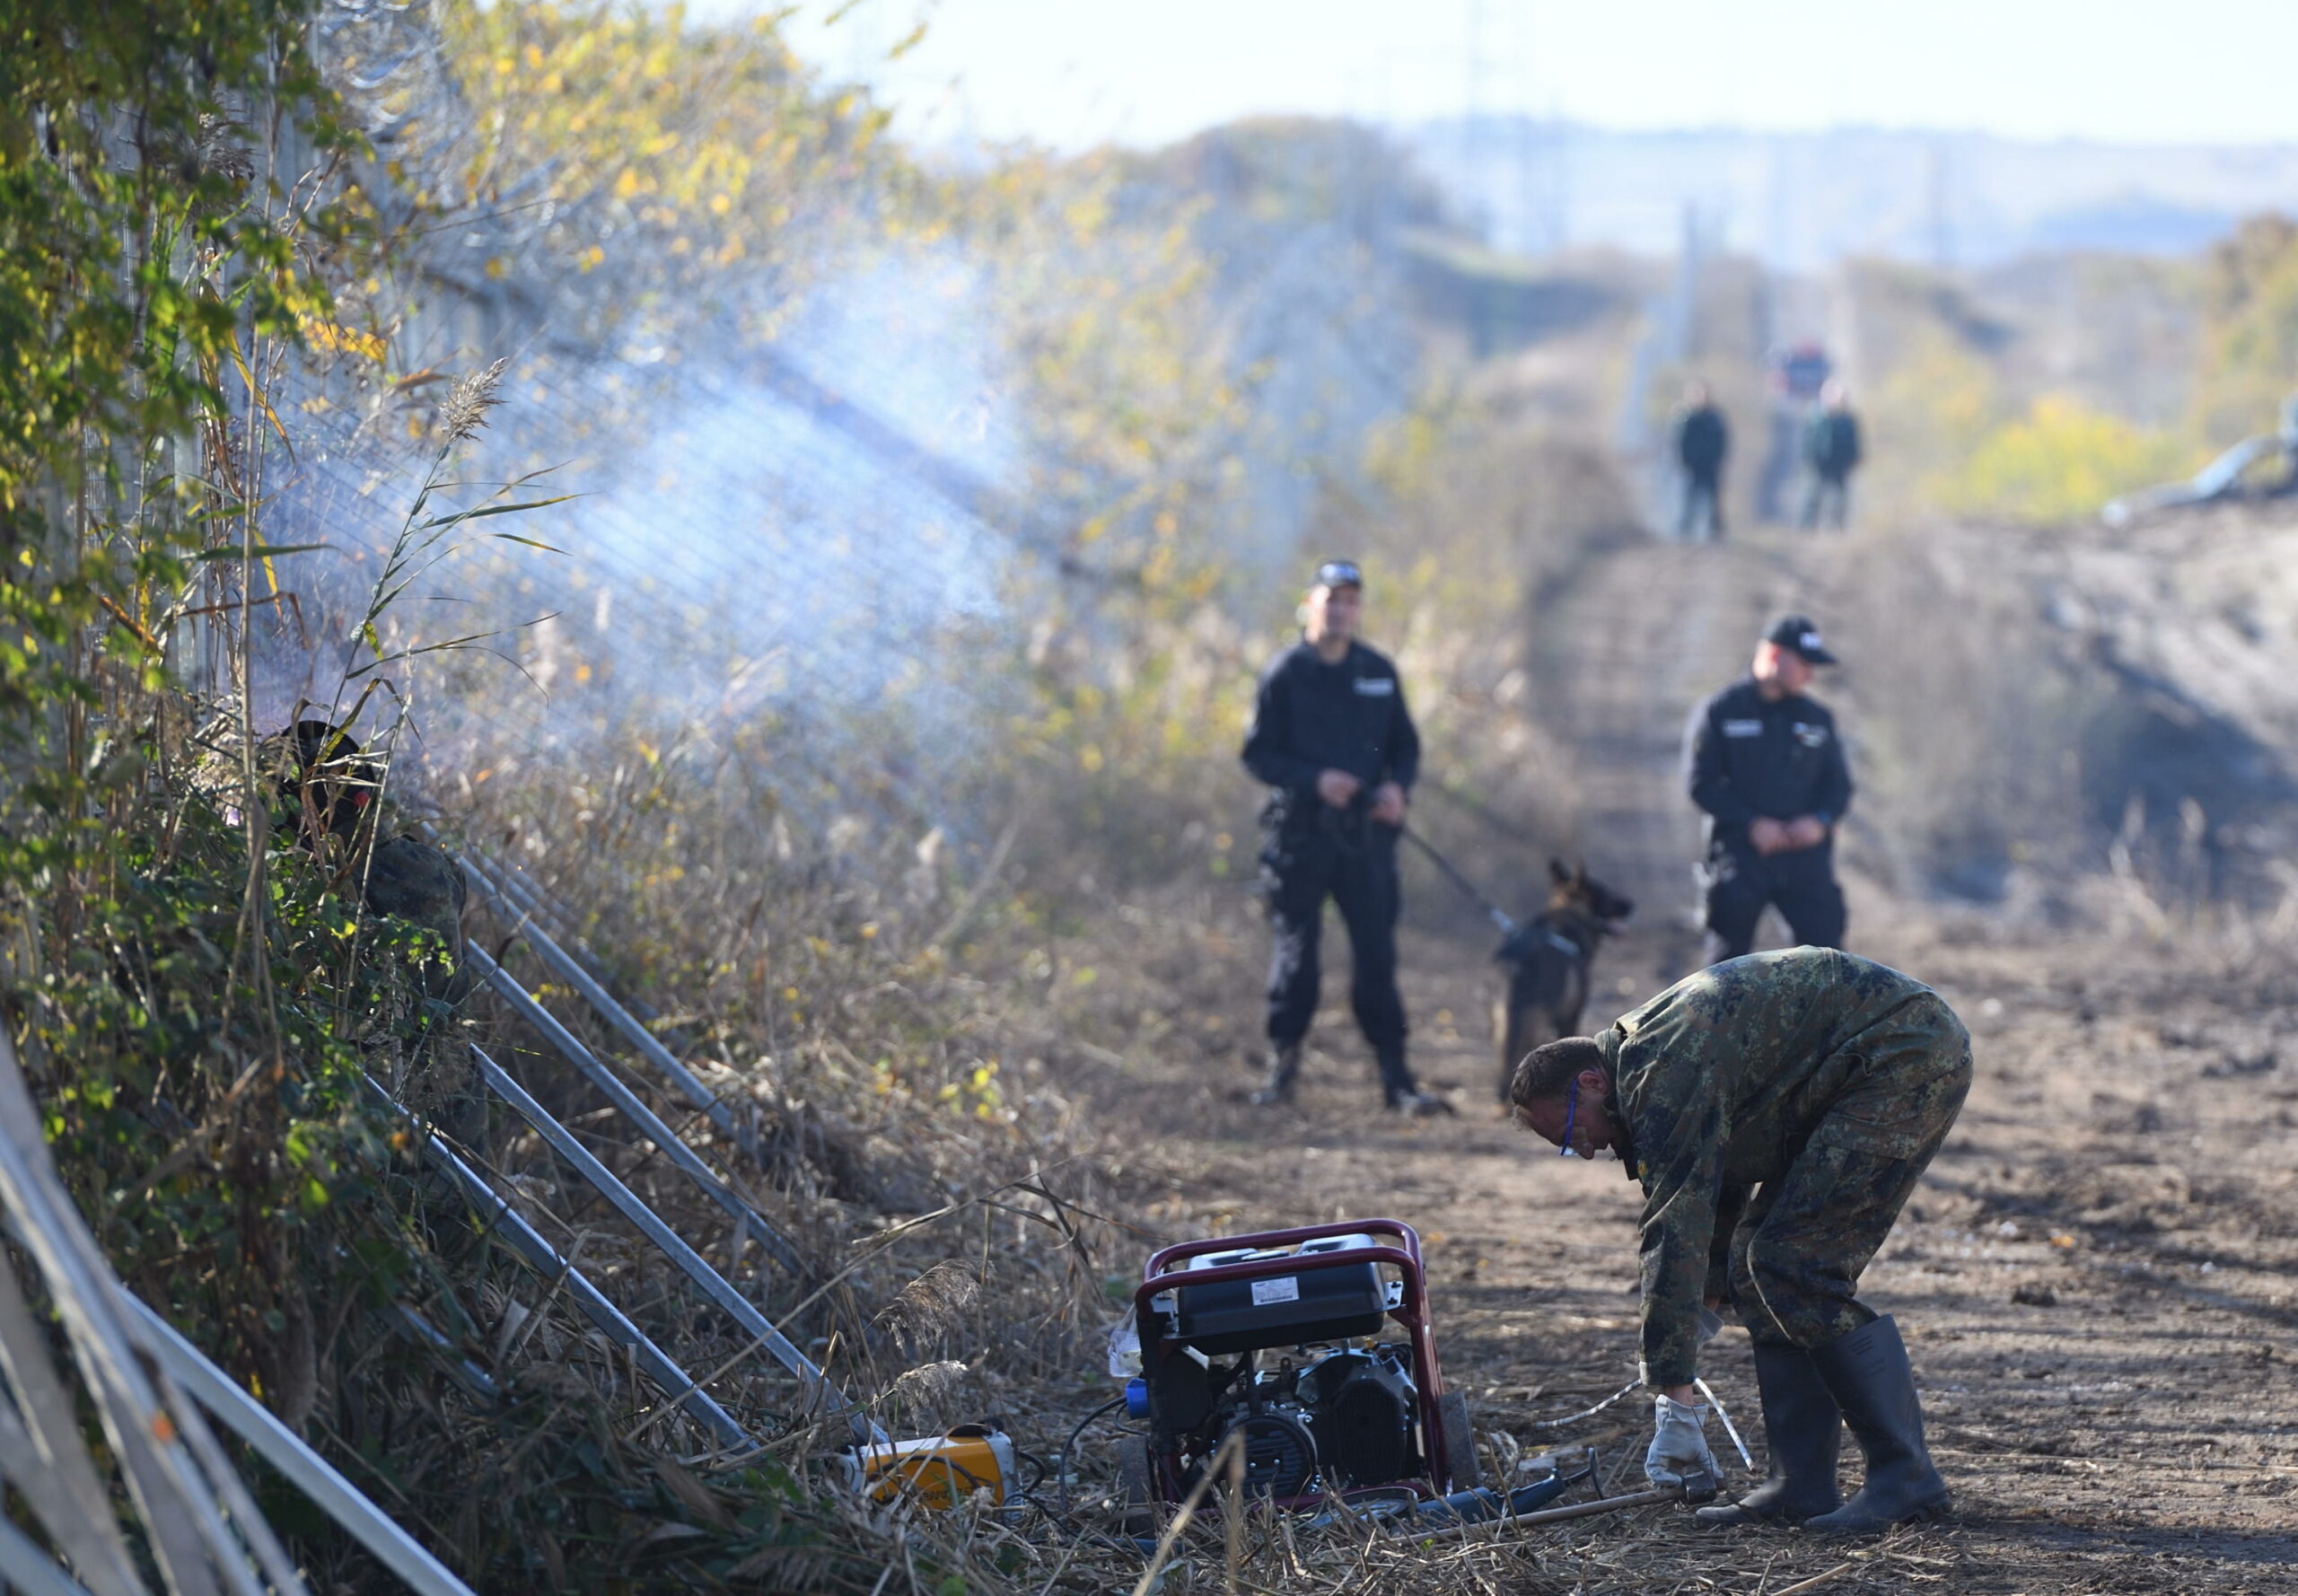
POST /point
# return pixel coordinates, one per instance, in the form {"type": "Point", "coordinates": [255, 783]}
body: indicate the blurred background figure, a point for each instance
{"type": "Point", "coordinates": [2288, 434]}
{"type": "Point", "coordinates": [1703, 439]}
{"type": "Point", "coordinates": [1794, 376]}
{"type": "Point", "coordinates": [1830, 454]}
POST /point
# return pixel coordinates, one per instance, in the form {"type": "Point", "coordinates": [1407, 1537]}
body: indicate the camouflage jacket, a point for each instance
{"type": "Point", "coordinates": [1717, 1083]}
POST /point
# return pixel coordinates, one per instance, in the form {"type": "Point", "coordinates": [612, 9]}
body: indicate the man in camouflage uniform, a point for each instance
{"type": "Point", "coordinates": [1778, 1109]}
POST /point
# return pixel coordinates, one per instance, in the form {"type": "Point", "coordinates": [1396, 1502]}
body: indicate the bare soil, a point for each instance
{"type": "Point", "coordinates": [2098, 1280]}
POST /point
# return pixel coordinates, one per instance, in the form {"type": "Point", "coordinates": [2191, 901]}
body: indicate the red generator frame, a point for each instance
{"type": "Point", "coordinates": [1166, 1271]}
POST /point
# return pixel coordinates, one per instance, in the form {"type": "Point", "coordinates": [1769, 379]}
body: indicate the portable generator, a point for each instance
{"type": "Point", "coordinates": [1285, 1335]}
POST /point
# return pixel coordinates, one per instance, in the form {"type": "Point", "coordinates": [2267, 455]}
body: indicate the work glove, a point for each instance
{"type": "Point", "coordinates": [1679, 1442]}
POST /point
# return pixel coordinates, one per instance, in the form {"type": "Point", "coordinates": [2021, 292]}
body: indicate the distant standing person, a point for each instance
{"type": "Point", "coordinates": [1831, 452]}
{"type": "Point", "coordinates": [1703, 439]}
{"type": "Point", "coordinates": [1332, 738]}
{"type": "Point", "coordinates": [1765, 763]}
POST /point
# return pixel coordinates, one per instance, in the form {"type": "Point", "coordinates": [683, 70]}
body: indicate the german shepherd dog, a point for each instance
{"type": "Point", "coordinates": [1545, 962]}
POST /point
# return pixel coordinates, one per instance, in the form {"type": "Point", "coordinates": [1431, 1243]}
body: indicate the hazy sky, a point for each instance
{"type": "Point", "coordinates": [1072, 72]}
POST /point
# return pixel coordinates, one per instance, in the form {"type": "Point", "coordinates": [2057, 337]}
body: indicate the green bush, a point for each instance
{"type": "Point", "coordinates": [2060, 461]}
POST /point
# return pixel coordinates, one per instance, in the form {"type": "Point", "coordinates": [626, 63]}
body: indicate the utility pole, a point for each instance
{"type": "Point", "coordinates": [1942, 239]}
{"type": "Point", "coordinates": [1559, 187]}
{"type": "Point", "coordinates": [1525, 142]}
{"type": "Point", "coordinates": [1471, 128]}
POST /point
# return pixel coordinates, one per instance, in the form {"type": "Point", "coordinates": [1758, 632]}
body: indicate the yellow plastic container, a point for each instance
{"type": "Point", "coordinates": [937, 1472]}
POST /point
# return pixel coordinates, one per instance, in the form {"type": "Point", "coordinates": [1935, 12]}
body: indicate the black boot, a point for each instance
{"type": "Point", "coordinates": [1867, 1373]}
{"type": "Point", "coordinates": [1283, 1070]}
{"type": "Point", "coordinates": [1803, 1431]}
{"type": "Point", "coordinates": [1401, 1093]}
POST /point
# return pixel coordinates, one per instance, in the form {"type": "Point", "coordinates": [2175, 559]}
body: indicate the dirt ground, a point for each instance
{"type": "Point", "coordinates": [2098, 1280]}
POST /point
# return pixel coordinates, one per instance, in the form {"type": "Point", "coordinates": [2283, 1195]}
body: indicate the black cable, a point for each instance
{"type": "Point", "coordinates": [1034, 1461]}
{"type": "Point", "coordinates": [1061, 1458]}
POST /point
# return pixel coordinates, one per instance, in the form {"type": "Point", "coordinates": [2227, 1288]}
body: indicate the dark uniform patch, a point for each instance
{"type": "Point", "coordinates": [1778, 1109]}
{"type": "Point", "coordinates": [1747, 758]}
{"type": "Point", "coordinates": [1308, 717]}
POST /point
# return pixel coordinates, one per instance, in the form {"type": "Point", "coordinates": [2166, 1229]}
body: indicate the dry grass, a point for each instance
{"type": "Point", "coordinates": [1649, 1550]}
{"type": "Point", "coordinates": [947, 1199]}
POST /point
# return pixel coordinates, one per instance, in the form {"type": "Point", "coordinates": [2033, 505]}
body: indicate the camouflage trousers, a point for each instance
{"type": "Point", "coordinates": [1803, 1238]}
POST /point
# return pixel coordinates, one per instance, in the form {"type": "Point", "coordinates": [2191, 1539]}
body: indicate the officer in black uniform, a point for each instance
{"type": "Point", "coordinates": [1332, 738]}
{"type": "Point", "coordinates": [1765, 764]}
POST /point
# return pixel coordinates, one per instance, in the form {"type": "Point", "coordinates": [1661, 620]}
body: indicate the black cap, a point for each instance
{"type": "Point", "coordinates": [1798, 633]}
{"type": "Point", "coordinates": [1338, 574]}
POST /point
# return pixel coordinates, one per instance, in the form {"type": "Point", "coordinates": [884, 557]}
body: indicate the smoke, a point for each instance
{"type": "Point", "coordinates": [826, 520]}
{"type": "Point", "coordinates": [735, 551]}
{"type": "Point", "coordinates": [782, 534]}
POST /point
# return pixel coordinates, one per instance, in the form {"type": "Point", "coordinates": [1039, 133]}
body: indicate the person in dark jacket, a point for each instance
{"type": "Point", "coordinates": [1777, 1110]}
{"type": "Point", "coordinates": [1767, 766]}
{"type": "Point", "coordinates": [1703, 439]}
{"type": "Point", "coordinates": [1332, 739]}
{"type": "Point", "coordinates": [1831, 452]}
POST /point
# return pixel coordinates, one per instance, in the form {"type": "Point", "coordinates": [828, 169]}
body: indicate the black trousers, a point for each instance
{"type": "Point", "coordinates": [1802, 885]}
{"type": "Point", "coordinates": [1701, 519]}
{"type": "Point", "coordinates": [1827, 502]}
{"type": "Point", "coordinates": [1353, 862]}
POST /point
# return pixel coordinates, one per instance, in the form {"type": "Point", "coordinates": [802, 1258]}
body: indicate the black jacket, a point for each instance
{"type": "Point", "coordinates": [1831, 442]}
{"type": "Point", "coordinates": [1702, 439]}
{"type": "Point", "coordinates": [1745, 759]}
{"type": "Point", "coordinates": [1311, 716]}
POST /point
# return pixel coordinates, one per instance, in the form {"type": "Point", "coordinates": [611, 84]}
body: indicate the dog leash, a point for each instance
{"type": "Point", "coordinates": [1499, 916]}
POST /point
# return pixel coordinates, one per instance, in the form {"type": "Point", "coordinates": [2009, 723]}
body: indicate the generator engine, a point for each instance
{"type": "Point", "coordinates": [1279, 1337]}
{"type": "Point", "coordinates": [1345, 1415]}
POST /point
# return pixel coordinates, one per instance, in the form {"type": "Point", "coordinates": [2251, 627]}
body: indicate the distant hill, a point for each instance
{"type": "Point", "coordinates": [1802, 201]}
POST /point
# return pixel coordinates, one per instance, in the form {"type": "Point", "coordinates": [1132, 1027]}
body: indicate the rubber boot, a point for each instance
{"type": "Point", "coordinates": [1283, 1070]}
{"type": "Point", "coordinates": [1401, 1093]}
{"type": "Point", "coordinates": [1803, 1431]}
{"type": "Point", "coordinates": [1867, 1373]}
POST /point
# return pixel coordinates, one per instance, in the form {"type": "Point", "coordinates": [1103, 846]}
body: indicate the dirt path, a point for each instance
{"type": "Point", "coordinates": [2099, 1281]}
{"type": "Point", "coordinates": [1644, 635]}
{"type": "Point", "coordinates": [2096, 1282]}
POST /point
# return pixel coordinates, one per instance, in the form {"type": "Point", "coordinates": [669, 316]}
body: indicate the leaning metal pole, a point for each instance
{"type": "Point", "coordinates": [285, 1451]}
{"type": "Point", "coordinates": [201, 1525]}
{"type": "Point", "coordinates": [569, 968]}
{"type": "Point", "coordinates": [649, 1123]}
{"type": "Point", "coordinates": [541, 1257]}
{"type": "Point", "coordinates": [690, 1263]}
{"type": "Point", "coordinates": [520, 905]}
